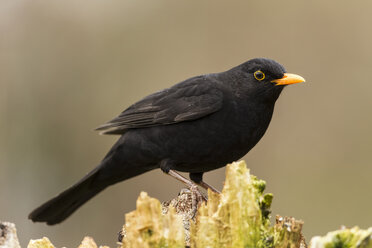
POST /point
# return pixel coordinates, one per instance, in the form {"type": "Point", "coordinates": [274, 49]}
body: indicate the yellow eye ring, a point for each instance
{"type": "Point", "coordinates": [259, 75]}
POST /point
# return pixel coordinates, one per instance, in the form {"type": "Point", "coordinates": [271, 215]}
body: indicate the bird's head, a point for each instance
{"type": "Point", "coordinates": [266, 76]}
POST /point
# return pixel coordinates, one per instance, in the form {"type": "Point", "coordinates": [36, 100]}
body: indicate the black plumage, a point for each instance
{"type": "Point", "coordinates": [198, 125]}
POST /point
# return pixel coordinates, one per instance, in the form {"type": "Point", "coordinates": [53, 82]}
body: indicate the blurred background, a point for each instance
{"type": "Point", "coordinates": [68, 66]}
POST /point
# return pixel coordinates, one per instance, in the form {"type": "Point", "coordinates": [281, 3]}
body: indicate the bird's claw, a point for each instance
{"type": "Point", "coordinates": [196, 199]}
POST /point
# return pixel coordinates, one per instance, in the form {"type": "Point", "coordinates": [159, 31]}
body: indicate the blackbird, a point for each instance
{"type": "Point", "coordinates": [197, 125]}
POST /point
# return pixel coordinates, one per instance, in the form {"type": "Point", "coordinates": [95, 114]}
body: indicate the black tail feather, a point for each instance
{"type": "Point", "coordinates": [113, 169]}
{"type": "Point", "coordinates": [62, 206]}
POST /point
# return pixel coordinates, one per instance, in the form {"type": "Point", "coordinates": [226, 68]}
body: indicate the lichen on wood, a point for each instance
{"type": "Point", "coordinates": [87, 242]}
{"type": "Point", "coordinates": [147, 227]}
{"type": "Point", "coordinates": [239, 217]}
{"type": "Point", "coordinates": [344, 238]}
{"type": "Point", "coordinates": [40, 243]}
{"type": "Point", "coordinates": [288, 233]}
{"type": "Point", "coordinates": [8, 235]}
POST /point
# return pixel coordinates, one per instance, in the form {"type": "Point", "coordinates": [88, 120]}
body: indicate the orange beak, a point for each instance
{"type": "Point", "coordinates": [289, 78]}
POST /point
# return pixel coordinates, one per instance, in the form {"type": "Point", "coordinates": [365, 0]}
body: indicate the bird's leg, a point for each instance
{"type": "Point", "coordinates": [191, 185]}
{"type": "Point", "coordinates": [164, 166]}
{"type": "Point", "coordinates": [198, 179]}
{"type": "Point", "coordinates": [196, 199]}
{"type": "Point", "coordinates": [181, 178]}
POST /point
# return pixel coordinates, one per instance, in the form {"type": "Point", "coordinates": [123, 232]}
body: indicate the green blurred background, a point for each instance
{"type": "Point", "coordinates": [68, 66]}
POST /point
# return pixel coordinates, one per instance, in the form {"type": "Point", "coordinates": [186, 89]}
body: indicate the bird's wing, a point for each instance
{"type": "Point", "coordinates": [189, 100]}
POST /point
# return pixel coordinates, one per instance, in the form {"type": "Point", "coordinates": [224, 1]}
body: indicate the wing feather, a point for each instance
{"type": "Point", "coordinates": [189, 100]}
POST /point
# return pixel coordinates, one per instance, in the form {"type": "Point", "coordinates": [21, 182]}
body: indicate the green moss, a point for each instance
{"type": "Point", "coordinates": [265, 204]}
{"type": "Point", "coordinates": [346, 238]}
{"type": "Point", "coordinates": [259, 184]}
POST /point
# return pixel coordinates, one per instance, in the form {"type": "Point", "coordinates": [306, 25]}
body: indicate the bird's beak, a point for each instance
{"type": "Point", "coordinates": [289, 78]}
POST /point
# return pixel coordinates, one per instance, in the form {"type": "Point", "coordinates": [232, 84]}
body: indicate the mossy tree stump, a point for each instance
{"type": "Point", "coordinates": [239, 217]}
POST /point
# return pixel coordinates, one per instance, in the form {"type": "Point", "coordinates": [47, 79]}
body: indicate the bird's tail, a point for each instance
{"type": "Point", "coordinates": [115, 167]}
{"type": "Point", "coordinates": [62, 206]}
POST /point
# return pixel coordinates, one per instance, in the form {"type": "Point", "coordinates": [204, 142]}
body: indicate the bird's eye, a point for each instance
{"type": "Point", "coordinates": [259, 75]}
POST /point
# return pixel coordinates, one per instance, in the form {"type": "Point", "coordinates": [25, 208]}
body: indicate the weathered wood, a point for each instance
{"type": "Point", "coordinates": [344, 238]}
{"type": "Point", "coordinates": [87, 242]}
{"type": "Point", "coordinates": [40, 243]}
{"type": "Point", "coordinates": [236, 218]}
{"type": "Point", "coordinates": [148, 227]}
{"type": "Point", "coordinates": [288, 233]}
{"type": "Point", "coordinates": [8, 235]}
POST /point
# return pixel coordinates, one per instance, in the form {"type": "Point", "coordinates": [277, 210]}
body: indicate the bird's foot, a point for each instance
{"type": "Point", "coordinates": [194, 199]}
{"type": "Point", "coordinates": [197, 196]}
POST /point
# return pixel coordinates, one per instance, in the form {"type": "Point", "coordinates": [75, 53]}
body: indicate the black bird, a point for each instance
{"type": "Point", "coordinates": [195, 126]}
